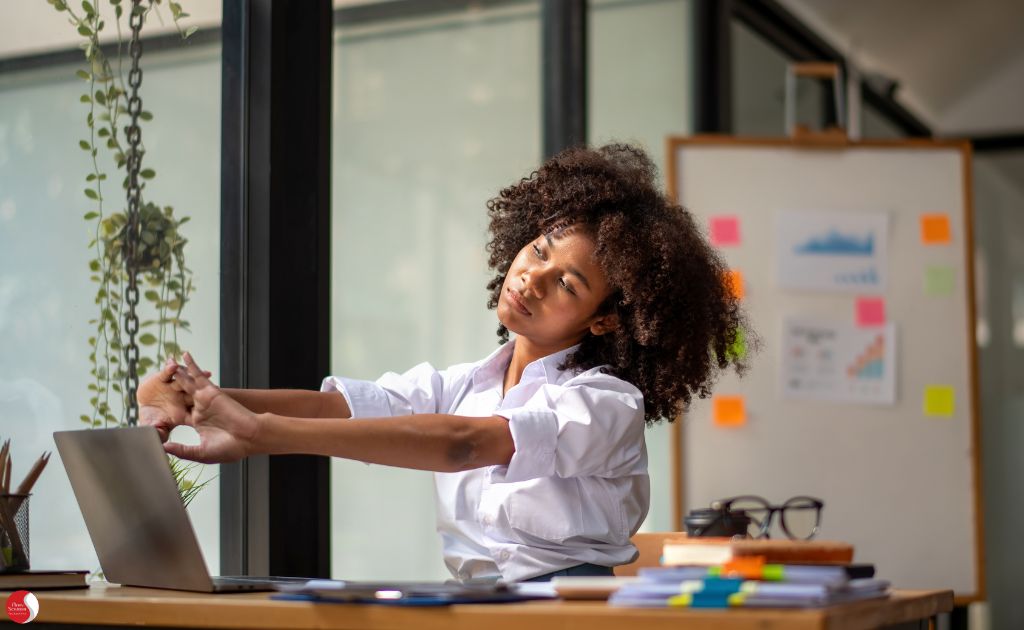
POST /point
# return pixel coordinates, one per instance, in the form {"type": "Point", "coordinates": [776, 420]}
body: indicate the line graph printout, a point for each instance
{"type": "Point", "coordinates": [832, 251]}
{"type": "Point", "coordinates": [838, 362]}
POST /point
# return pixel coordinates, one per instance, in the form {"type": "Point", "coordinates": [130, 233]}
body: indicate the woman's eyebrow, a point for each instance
{"type": "Point", "coordinates": [573, 270]}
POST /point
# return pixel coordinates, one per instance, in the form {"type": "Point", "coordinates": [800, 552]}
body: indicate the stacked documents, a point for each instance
{"type": "Point", "coordinates": [780, 586]}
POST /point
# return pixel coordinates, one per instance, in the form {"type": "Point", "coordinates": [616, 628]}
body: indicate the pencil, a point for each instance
{"type": "Point", "coordinates": [30, 479]}
{"type": "Point", "coordinates": [4, 454]}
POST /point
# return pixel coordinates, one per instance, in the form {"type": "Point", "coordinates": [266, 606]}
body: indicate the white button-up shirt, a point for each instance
{"type": "Point", "coordinates": [577, 486]}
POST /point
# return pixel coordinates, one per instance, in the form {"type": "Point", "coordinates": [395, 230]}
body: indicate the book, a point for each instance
{"type": "Point", "coordinates": [685, 551]}
{"type": "Point", "coordinates": [788, 573]}
{"type": "Point", "coordinates": [732, 592]}
{"type": "Point", "coordinates": [42, 580]}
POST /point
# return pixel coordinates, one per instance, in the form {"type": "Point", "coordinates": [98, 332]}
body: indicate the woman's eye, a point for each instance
{"type": "Point", "coordinates": [536, 250]}
{"type": "Point", "coordinates": [565, 285]}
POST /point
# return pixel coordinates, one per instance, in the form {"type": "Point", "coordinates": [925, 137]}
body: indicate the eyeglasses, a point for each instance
{"type": "Point", "coordinates": [800, 517]}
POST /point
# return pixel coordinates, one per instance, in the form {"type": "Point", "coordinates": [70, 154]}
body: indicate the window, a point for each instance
{"type": "Point", "coordinates": [433, 115]}
{"type": "Point", "coordinates": [640, 74]}
{"type": "Point", "coordinates": [46, 297]}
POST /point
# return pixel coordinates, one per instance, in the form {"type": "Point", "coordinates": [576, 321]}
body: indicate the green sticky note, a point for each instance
{"type": "Point", "coordinates": [738, 350]}
{"type": "Point", "coordinates": [938, 281]}
{"type": "Point", "coordinates": [939, 401]}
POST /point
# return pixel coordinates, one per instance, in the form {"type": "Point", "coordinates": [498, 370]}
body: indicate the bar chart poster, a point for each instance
{"type": "Point", "coordinates": [838, 362]}
{"type": "Point", "coordinates": [832, 251]}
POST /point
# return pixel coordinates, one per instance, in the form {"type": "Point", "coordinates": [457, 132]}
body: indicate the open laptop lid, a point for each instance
{"type": "Point", "coordinates": [130, 503]}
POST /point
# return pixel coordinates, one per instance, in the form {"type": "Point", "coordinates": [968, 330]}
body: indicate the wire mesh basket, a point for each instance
{"type": "Point", "coordinates": [13, 533]}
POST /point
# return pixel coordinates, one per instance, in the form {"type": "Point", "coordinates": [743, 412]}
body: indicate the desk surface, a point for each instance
{"type": "Point", "coordinates": [116, 605]}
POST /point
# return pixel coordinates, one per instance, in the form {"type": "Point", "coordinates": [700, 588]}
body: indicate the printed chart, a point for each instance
{"type": "Point", "coordinates": [838, 362]}
{"type": "Point", "coordinates": [832, 251]}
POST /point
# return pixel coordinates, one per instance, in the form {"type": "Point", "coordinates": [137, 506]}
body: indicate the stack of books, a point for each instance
{"type": "Point", "coordinates": [721, 573]}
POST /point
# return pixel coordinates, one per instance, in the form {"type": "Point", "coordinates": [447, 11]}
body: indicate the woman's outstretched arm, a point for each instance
{"type": "Point", "coordinates": [229, 431]}
{"type": "Point", "coordinates": [297, 403]}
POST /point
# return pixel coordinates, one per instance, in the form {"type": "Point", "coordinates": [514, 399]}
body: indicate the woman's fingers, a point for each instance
{"type": "Point", "coordinates": [167, 373]}
{"type": "Point", "coordinates": [185, 381]}
{"type": "Point", "coordinates": [184, 451]}
{"type": "Point", "coordinates": [193, 368]}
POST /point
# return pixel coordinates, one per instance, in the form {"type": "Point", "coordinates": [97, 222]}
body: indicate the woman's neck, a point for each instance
{"type": "Point", "coordinates": [524, 353]}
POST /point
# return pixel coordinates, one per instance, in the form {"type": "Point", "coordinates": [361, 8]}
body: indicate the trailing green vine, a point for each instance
{"type": "Point", "coordinates": [165, 281]}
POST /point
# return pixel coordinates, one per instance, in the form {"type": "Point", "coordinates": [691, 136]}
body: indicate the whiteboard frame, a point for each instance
{"type": "Point", "coordinates": [674, 144]}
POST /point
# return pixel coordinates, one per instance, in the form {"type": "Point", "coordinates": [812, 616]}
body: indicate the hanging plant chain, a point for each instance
{"type": "Point", "coordinates": [133, 134]}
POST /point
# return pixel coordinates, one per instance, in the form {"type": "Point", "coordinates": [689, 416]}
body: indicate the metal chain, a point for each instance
{"type": "Point", "coordinates": [131, 235]}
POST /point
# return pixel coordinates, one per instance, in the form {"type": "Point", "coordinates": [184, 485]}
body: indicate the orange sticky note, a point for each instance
{"type": "Point", "coordinates": [935, 229]}
{"type": "Point", "coordinates": [729, 411]}
{"type": "Point", "coordinates": [747, 567]}
{"type": "Point", "coordinates": [735, 283]}
{"type": "Point", "coordinates": [870, 311]}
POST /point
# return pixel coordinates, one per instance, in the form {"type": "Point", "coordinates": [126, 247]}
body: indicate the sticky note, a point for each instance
{"type": "Point", "coordinates": [729, 411]}
{"type": "Point", "coordinates": [738, 349]}
{"type": "Point", "coordinates": [939, 281]}
{"type": "Point", "coordinates": [935, 229]}
{"type": "Point", "coordinates": [735, 283]}
{"type": "Point", "coordinates": [870, 311]}
{"type": "Point", "coordinates": [939, 401]}
{"type": "Point", "coordinates": [725, 230]}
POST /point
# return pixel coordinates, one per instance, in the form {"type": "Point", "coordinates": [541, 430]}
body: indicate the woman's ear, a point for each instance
{"type": "Point", "coordinates": [604, 324]}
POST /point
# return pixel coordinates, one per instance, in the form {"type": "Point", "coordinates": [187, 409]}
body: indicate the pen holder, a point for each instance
{"type": "Point", "coordinates": [13, 533]}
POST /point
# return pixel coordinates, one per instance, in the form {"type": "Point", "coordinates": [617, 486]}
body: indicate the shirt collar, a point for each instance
{"type": "Point", "coordinates": [494, 366]}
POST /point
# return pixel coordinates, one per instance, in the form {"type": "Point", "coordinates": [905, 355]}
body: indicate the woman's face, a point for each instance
{"type": "Point", "coordinates": [553, 289]}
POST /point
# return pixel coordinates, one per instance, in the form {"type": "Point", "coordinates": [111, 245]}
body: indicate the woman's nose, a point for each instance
{"type": "Point", "coordinates": [534, 279]}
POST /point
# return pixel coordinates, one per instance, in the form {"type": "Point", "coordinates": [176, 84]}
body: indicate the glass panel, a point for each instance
{"type": "Point", "coordinates": [999, 247]}
{"type": "Point", "coordinates": [431, 119]}
{"type": "Point", "coordinates": [46, 297]}
{"type": "Point", "coordinates": [640, 75]}
{"type": "Point", "coordinates": [759, 88]}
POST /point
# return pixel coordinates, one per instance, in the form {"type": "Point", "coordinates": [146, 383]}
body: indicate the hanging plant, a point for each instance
{"type": "Point", "coordinates": [130, 261]}
{"type": "Point", "coordinates": [165, 281]}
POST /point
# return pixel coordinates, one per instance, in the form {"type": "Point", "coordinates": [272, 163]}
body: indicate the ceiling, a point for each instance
{"type": "Point", "coordinates": [960, 65]}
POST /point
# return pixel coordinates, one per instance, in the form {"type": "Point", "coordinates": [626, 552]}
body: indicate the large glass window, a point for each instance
{"type": "Point", "coordinates": [640, 69]}
{"type": "Point", "coordinates": [46, 296]}
{"type": "Point", "coordinates": [999, 289]}
{"type": "Point", "coordinates": [432, 116]}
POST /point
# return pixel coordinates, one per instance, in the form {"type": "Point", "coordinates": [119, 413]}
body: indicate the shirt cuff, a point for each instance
{"type": "Point", "coordinates": [534, 433]}
{"type": "Point", "coordinates": [365, 399]}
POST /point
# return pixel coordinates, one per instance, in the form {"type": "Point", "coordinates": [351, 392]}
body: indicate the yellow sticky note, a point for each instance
{"type": "Point", "coordinates": [939, 401]}
{"type": "Point", "coordinates": [729, 411]}
{"type": "Point", "coordinates": [935, 229]}
{"type": "Point", "coordinates": [735, 283]}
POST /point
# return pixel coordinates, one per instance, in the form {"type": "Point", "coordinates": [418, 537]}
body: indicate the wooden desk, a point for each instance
{"type": "Point", "coordinates": [115, 605]}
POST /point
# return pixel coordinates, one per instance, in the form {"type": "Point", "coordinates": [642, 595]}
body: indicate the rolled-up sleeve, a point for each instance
{"type": "Point", "coordinates": [420, 390]}
{"type": "Point", "coordinates": [586, 427]}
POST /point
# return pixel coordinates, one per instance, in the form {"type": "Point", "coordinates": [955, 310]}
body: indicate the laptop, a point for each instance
{"type": "Point", "coordinates": [131, 506]}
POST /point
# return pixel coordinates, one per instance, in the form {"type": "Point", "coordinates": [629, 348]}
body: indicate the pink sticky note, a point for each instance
{"type": "Point", "coordinates": [870, 311]}
{"type": "Point", "coordinates": [725, 230]}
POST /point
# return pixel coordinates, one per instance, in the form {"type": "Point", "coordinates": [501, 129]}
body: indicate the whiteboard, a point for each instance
{"type": "Point", "coordinates": [902, 486]}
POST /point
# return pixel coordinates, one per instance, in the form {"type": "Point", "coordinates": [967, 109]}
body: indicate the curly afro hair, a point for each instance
{"type": "Point", "coordinates": [678, 319]}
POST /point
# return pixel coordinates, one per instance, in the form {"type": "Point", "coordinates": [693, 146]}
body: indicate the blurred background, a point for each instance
{"type": "Point", "coordinates": [355, 144]}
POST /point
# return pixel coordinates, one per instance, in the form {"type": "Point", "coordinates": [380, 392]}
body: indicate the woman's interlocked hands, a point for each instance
{"type": "Point", "coordinates": [184, 394]}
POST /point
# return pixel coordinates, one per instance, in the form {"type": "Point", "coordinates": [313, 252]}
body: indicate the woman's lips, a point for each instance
{"type": "Point", "coordinates": [517, 301]}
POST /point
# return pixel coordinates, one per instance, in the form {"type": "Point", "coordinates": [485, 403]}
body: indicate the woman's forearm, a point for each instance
{"type": "Point", "coordinates": [438, 442]}
{"type": "Point", "coordinates": [296, 403]}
